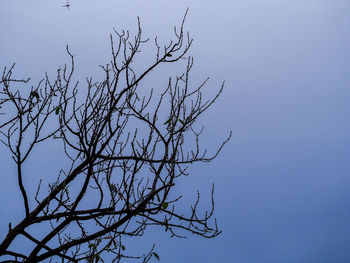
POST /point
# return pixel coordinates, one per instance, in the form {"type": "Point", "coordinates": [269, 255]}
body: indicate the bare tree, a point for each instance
{"type": "Point", "coordinates": [125, 155]}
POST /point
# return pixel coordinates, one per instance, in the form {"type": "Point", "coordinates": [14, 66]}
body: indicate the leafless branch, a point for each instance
{"type": "Point", "coordinates": [127, 146]}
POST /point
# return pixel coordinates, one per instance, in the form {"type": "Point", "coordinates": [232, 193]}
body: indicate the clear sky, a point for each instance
{"type": "Point", "coordinates": [283, 182]}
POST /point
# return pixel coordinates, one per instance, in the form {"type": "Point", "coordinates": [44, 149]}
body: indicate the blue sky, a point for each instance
{"type": "Point", "coordinates": [282, 184]}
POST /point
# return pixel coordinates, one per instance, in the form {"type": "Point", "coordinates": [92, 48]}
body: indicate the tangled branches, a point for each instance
{"type": "Point", "coordinates": [125, 155]}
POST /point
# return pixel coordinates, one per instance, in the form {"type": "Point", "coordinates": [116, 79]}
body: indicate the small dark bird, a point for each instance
{"type": "Point", "coordinates": [67, 5]}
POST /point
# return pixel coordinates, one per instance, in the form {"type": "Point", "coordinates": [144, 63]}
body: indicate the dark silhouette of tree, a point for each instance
{"type": "Point", "coordinates": [127, 146]}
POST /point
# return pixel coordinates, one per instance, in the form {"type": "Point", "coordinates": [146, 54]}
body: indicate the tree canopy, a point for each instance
{"type": "Point", "coordinates": [127, 146]}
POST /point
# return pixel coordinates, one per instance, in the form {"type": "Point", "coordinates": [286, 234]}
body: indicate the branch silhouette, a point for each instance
{"type": "Point", "coordinates": [127, 146]}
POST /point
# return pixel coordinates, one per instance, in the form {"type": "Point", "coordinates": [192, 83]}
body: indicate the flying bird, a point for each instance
{"type": "Point", "coordinates": [67, 5]}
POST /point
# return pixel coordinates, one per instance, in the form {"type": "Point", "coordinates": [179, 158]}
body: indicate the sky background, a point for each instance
{"type": "Point", "coordinates": [282, 184]}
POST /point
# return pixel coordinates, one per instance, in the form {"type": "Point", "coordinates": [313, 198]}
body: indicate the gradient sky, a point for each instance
{"type": "Point", "coordinates": [283, 183]}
